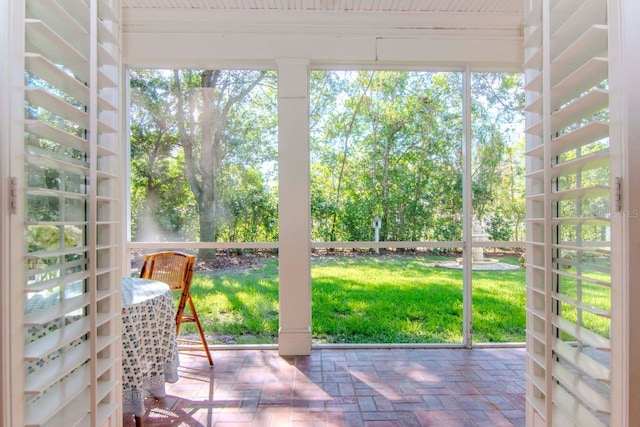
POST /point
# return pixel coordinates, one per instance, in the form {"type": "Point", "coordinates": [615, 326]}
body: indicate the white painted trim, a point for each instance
{"type": "Point", "coordinates": [624, 52]}
{"type": "Point", "coordinates": [204, 38]}
{"type": "Point", "coordinates": [203, 245]}
{"type": "Point", "coordinates": [5, 325]}
{"type": "Point", "coordinates": [323, 245]}
{"type": "Point", "coordinates": [258, 51]}
{"type": "Point", "coordinates": [11, 301]}
{"type": "Point", "coordinates": [208, 20]}
{"type": "Point", "coordinates": [125, 167]}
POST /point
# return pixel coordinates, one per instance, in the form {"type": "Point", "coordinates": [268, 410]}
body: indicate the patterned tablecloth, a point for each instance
{"type": "Point", "coordinates": [149, 347]}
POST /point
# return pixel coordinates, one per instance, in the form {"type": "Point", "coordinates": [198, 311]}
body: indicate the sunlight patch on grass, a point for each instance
{"type": "Point", "coordinates": [369, 299]}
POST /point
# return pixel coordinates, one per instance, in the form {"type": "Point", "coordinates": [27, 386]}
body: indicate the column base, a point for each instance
{"type": "Point", "coordinates": [294, 343]}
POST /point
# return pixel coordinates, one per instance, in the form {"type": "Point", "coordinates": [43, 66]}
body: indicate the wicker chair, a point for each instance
{"type": "Point", "coordinates": [176, 270]}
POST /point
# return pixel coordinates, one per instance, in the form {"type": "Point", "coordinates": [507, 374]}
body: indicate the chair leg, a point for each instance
{"type": "Point", "coordinates": [200, 331]}
{"type": "Point", "coordinates": [139, 421]}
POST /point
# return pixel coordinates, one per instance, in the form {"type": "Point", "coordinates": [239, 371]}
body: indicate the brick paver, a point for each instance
{"type": "Point", "coordinates": [350, 387]}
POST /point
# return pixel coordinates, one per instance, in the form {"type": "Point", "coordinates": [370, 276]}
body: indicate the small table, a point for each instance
{"type": "Point", "coordinates": [149, 347]}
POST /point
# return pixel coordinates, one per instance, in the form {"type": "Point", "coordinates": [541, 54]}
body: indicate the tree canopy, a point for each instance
{"type": "Point", "coordinates": [383, 143]}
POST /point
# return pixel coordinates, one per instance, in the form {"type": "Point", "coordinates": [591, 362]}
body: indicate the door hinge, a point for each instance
{"type": "Point", "coordinates": [617, 194]}
{"type": "Point", "coordinates": [13, 195]}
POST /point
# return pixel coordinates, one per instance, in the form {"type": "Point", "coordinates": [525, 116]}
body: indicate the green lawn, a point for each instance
{"type": "Point", "coordinates": [364, 299]}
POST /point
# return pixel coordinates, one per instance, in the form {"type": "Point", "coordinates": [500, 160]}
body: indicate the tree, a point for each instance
{"type": "Point", "coordinates": [158, 191]}
{"type": "Point", "coordinates": [207, 109]}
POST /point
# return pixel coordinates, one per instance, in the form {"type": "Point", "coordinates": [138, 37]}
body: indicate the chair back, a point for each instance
{"type": "Point", "coordinates": [176, 270]}
{"type": "Point", "coordinates": [173, 268]}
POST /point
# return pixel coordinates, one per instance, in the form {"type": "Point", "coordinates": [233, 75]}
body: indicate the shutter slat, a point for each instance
{"type": "Point", "coordinates": [583, 17]}
{"type": "Point", "coordinates": [585, 335]}
{"type": "Point", "coordinates": [53, 104]}
{"type": "Point", "coordinates": [582, 306]}
{"type": "Point", "coordinates": [538, 174]}
{"type": "Point", "coordinates": [105, 35]}
{"type": "Point", "coordinates": [42, 379]}
{"type": "Point", "coordinates": [583, 79]}
{"type": "Point", "coordinates": [105, 81]}
{"type": "Point", "coordinates": [41, 98]}
{"type": "Point", "coordinates": [535, 151]}
{"type": "Point", "coordinates": [46, 131]}
{"type": "Point", "coordinates": [535, 129]}
{"type": "Point", "coordinates": [105, 410]}
{"type": "Point", "coordinates": [537, 403]}
{"type": "Point", "coordinates": [63, 403]}
{"type": "Point", "coordinates": [585, 135]}
{"type": "Point", "coordinates": [78, 250]}
{"type": "Point", "coordinates": [592, 192]}
{"type": "Point", "coordinates": [535, 105]}
{"type": "Point", "coordinates": [56, 311]}
{"type": "Point", "coordinates": [539, 314]}
{"type": "Point", "coordinates": [105, 57]}
{"type": "Point", "coordinates": [582, 108]}
{"type": "Point", "coordinates": [580, 221]}
{"type": "Point", "coordinates": [533, 39]}
{"type": "Point", "coordinates": [55, 193]}
{"type": "Point", "coordinates": [574, 409]}
{"type": "Point", "coordinates": [104, 318]}
{"type": "Point", "coordinates": [561, 10]}
{"type": "Point", "coordinates": [53, 163]}
{"type": "Point", "coordinates": [56, 282]}
{"type": "Point", "coordinates": [581, 361]}
{"type": "Point", "coordinates": [56, 340]}
{"type": "Point", "coordinates": [79, 9]}
{"type": "Point", "coordinates": [585, 163]}
{"type": "Point", "coordinates": [46, 42]}
{"type": "Point", "coordinates": [59, 20]}
{"type": "Point", "coordinates": [560, 419]}
{"type": "Point", "coordinates": [592, 43]}
{"type": "Point", "coordinates": [535, 84]}
{"type": "Point", "coordinates": [106, 12]}
{"type": "Point", "coordinates": [599, 248]}
{"type": "Point", "coordinates": [580, 277]}
{"type": "Point", "coordinates": [40, 66]}
{"type": "Point", "coordinates": [534, 60]}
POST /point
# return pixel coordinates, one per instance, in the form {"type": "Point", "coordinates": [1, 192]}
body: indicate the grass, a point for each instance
{"type": "Point", "coordinates": [364, 299]}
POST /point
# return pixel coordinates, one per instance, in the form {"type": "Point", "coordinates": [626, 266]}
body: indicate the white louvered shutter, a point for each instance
{"type": "Point", "coordinates": [569, 211]}
{"type": "Point", "coordinates": [71, 231]}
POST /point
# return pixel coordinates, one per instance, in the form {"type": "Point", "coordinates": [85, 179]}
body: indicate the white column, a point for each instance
{"type": "Point", "coordinates": [294, 337]}
{"type": "Point", "coordinates": [624, 42]}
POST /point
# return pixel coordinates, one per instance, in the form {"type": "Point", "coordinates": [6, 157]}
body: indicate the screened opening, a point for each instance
{"type": "Point", "coordinates": [204, 180]}
{"type": "Point", "coordinates": [387, 190]}
{"type": "Point", "coordinates": [498, 191]}
{"type": "Point", "coordinates": [386, 174]}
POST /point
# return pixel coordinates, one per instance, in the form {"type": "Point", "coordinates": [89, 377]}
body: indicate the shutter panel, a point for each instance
{"type": "Point", "coordinates": [72, 275]}
{"type": "Point", "coordinates": [568, 209]}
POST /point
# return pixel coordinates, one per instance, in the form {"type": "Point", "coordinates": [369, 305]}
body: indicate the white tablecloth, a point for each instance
{"type": "Point", "coordinates": [149, 348]}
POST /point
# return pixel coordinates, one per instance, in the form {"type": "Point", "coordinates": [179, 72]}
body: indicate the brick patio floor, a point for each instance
{"type": "Point", "coordinates": [350, 387]}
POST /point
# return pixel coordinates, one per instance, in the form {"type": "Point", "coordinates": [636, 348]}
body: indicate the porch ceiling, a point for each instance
{"type": "Point", "coordinates": [461, 6]}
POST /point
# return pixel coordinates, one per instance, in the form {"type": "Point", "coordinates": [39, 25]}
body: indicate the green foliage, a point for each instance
{"type": "Point", "coordinates": [383, 143]}
{"type": "Point", "coordinates": [203, 156]}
